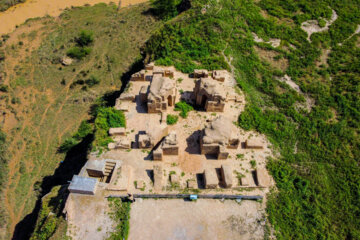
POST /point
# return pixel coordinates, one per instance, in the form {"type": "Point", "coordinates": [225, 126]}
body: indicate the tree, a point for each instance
{"type": "Point", "coordinates": [165, 9]}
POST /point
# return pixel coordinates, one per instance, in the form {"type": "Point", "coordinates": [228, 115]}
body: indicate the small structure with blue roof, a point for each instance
{"type": "Point", "coordinates": [83, 185]}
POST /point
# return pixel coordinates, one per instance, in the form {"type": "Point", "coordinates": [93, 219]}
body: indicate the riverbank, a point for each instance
{"type": "Point", "coordinates": [19, 13]}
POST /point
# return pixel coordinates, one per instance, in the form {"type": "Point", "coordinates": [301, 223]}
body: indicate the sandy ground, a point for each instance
{"type": "Point", "coordinates": [274, 42]}
{"type": "Point", "coordinates": [309, 102]}
{"type": "Point", "coordinates": [18, 14]}
{"type": "Point", "coordinates": [203, 219]}
{"type": "Point", "coordinates": [81, 212]}
{"type": "Point", "coordinates": [312, 26]}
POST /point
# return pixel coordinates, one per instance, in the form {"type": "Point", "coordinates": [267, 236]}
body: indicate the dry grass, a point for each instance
{"type": "Point", "coordinates": [47, 110]}
{"type": "Point", "coordinates": [269, 56]}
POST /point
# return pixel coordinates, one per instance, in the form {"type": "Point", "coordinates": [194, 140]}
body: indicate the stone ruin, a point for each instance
{"type": "Point", "coordinates": [120, 139]}
{"type": "Point", "coordinates": [254, 143]}
{"type": "Point", "coordinates": [219, 135]}
{"type": "Point", "coordinates": [262, 177]}
{"type": "Point", "coordinates": [201, 73]}
{"type": "Point", "coordinates": [139, 76]}
{"type": "Point", "coordinates": [153, 136]}
{"type": "Point", "coordinates": [161, 94]}
{"type": "Point", "coordinates": [226, 176]}
{"type": "Point", "coordinates": [209, 95]}
{"type": "Point", "coordinates": [219, 75]}
{"type": "Point", "coordinates": [210, 178]}
{"type": "Point", "coordinates": [169, 146]}
{"type": "Point", "coordinates": [162, 90]}
{"type": "Point", "coordinates": [157, 91]}
{"type": "Point", "coordinates": [158, 177]}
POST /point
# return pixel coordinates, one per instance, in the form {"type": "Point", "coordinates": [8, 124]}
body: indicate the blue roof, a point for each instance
{"type": "Point", "coordinates": [85, 184]}
{"type": "Point", "coordinates": [193, 196]}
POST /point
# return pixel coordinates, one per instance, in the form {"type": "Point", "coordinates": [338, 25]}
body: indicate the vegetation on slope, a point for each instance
{"type": "Point", "coordinates": [318, 173]}
{"type": "Point", "coordinates": [5, 4]}
{"type": "Point", "coordinates": [50, 215]}
{"type": "Point", "coordinates": [3, 174]}
{"type": "Point", "coordinates": [45, 102]}
{"type": "Point", "coordinates": [106, 118]}
{"type": "Point", "coordinates": [120, 214]}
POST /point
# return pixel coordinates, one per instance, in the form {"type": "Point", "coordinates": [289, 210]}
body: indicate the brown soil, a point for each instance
{"type": "Point", "coordinates": [19, 13]}
{"type": "Point", "coordinates": [268, 56]}
{"type": "Point", "coordinates": [203, 219]}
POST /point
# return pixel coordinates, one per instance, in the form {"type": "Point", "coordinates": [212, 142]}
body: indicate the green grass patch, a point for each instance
{"type": "Point", "coordinates": [78, 52]}
{"type": "Point", "coordinates": [171, 119]}
{"type": "Point", "coordinates": [120, 214]}
{"type": "Point", "coordinates": [184, 108]}
{"type": "Point", "coordinates": [106, 118]}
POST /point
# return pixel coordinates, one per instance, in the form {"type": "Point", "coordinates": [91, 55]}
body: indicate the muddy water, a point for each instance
{"type": "Point", "coordinates": [18, 14]}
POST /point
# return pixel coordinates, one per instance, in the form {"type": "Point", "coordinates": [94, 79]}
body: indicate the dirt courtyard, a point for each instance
{"type": "Point", "coordinates": [204, 219]}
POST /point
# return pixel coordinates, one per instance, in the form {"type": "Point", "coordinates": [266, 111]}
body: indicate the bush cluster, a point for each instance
{"type": "Point", "coordinates": [106, 118]}
{"type": "Point", "coordinates": [171, 119]}
{"type": "Point", "coordinates": [317, 175]}
{"type": "Point", "coordinates": [184, 107]}
{"type": "Point", "coordinates": [85, 38]}
{"type": "Point", "coordinates": [49, 215]}
{"type": "Point", "coordinates": [165, 9]}
{"type": "Point", "coordinates": [78, 52]}
{"type": "Point", "coordinates": [83, 41]}
{"type": "Point", "coordinates": [84, 130]}
{"type": "Point", "coordinates": [90, 82]}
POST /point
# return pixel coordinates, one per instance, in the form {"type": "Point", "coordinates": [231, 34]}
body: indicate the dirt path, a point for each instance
{"type": "Point", "coordinates": [18, 14]}
{"type": "Point", "coordinates": [312, 26]}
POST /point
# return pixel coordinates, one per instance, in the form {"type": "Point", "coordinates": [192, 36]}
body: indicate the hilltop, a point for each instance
{"type": "Point", "coordinates": [295, 62]}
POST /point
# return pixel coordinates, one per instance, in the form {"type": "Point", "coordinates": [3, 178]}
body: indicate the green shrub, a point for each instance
{"type": "Point", "coordinates": [68, 144]}
{"type": "Point", "coordinates": [4, 88]}
{"type": "Point", "coordinates": [84, 130]}
{"type": "Point", "coordinates": [165, 9]}
{"type": "Point", "coordinates": [240, 156]}
{"type": "Point", "coordinates": [171, 119]}
{"type": "Point", "coordinates": [253, 163]}
{"type": "Point", "coordinates": [50, 216]}
{"type": "Point", "coordinates": [322, 23]}
{"type": "Point", "coordinates": [184, 108]}
{"type": "Point", "coordinates": [78, 52]}
{"type": "Point", "coordinates": [106, 118]}
{"type": "Point", "coordinates": [85, 38]}
{"type": "Point", "coordinates": [109, 117]}
{"type": "Point", "coordinates": [92, 81]}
